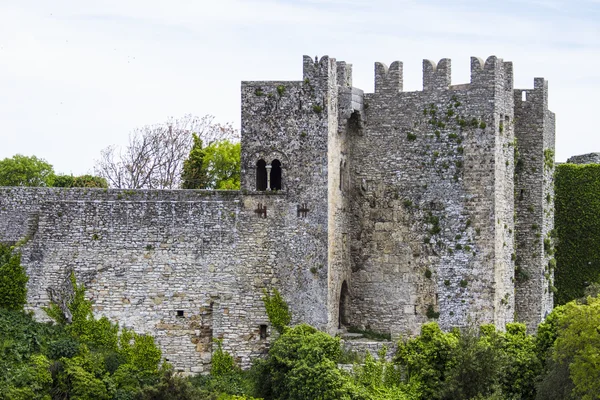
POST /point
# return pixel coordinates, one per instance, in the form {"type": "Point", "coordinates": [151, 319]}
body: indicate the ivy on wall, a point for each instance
{"type": "Point", "coordinates": [577, 221]}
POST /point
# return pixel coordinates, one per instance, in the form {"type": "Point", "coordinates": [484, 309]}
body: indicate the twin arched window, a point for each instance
{"type": "Point", "coordinates": [268, 176]}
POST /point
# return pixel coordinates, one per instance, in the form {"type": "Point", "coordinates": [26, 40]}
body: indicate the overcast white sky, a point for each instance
{"type": "Point", "coordinates": [79, 75]}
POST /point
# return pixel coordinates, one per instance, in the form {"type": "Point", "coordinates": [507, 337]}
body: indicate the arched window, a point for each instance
{"type": "Point", "coordinates": [344, 306]}
{"type": "Point", "coordinates": [276, 175]}
{"type": "Point", "coordinates": [261, 175]}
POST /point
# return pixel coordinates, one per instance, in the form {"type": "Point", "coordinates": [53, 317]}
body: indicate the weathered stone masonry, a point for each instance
{"type": "Point", "coordinates": [391, 208]}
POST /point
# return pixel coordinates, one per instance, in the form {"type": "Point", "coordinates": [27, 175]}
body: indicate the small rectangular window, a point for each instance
{"type": "Point", "coordinates": [179, 313]}
{"type": "Point", "coordinates": [263, 332]}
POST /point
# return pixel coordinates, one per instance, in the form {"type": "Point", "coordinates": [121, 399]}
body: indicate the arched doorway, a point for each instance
{"type": "Point", "coordinates": [343, 319]}
{"type": "Point", "coordinates": [261, 175]}
{"type": "Point", "coordinates": [275, 175]}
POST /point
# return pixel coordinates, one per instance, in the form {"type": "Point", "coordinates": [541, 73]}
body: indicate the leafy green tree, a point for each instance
{"type": "Point", "coordinates": [21, 170]}
{"type": "Point", "coordinates": [578, 345]}
{"type": "Point", "coordinates": [476, 362]}
{"type": "Point", "coordinates": [302, 364]}
{"type": "Point", "coordinates": [216, 166]}
{"type": "Point", "coordinates": [194, 174]}
{"type": "Point", "coordinates": [428, 359]}
{"type": "Point", "coordinates": [13, 279]}
{"type": "Point", "coordinates": [380, 379]}
{"type": "Point", "coordinates": [278, 310]}
{"type": "Point", "coordinates": [521, 364]}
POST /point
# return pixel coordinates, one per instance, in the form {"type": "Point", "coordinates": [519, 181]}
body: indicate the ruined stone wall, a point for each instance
{"type": "Point", "coordinates": [534, 200]}
{"type": "Point", "coordinates": [589, 158]}
{"type": "Point", "coordinates": [184, 266]}
{"type": "Point", "coordinates": [433, 192]}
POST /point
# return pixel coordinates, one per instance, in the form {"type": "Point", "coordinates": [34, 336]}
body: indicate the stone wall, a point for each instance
{"type": "Point", "coordinates": [432, 184]}
{"type": "Point", "coordinates": [185, 266]}
{"type": "Point", "coordinates": [590, 158]}
{"type": "Point", "coordinates": [534, 200]}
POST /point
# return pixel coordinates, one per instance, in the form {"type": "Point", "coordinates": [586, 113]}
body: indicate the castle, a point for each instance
{"type": "Point", "coordinates": [380, 211]}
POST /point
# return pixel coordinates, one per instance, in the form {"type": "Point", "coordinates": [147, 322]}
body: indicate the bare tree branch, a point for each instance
{"type": "Point", "coordinates": [153, 158]}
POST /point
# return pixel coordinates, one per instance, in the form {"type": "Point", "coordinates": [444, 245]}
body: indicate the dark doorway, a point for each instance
{"type": "Point", "coordinates": [276, 175]}
{"type": "Point", "coordinates": [261, 175]}
{"type": "Point", "coordinates": [344, 306]}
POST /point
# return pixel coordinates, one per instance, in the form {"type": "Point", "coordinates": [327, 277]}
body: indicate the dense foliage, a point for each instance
{"type": "Point", "coordinates": [21, 170]}
{"type": "Point", "coordinates": [216, 166]}
{"type": "Point", "coordinates": [31, 171]}
{"type": "Point", "coordinates": [577, 222]}
{"type": "Point", "coordinates": [87, 358]}
{"type": "Point", "coordinates": [80, 357]}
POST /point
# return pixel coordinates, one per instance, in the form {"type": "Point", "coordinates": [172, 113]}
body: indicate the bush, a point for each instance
{"type": "Point", "coordinates": [302, 364]}
{"type": "Point", "coordinates": [426, 360]}
{"type": "Point", "coordinates": [89, 181]}
{"type": "Point", "coordinates": [13, 279]}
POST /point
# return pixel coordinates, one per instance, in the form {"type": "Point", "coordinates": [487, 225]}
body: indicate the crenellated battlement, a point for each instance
{"type": "Point", "coordinates": [316, 71]}
{"type": "Point", "coordinates": [344, 74]}
{"type": "Point", "coordinates": [536, 96]}
{"type": "Point", "coordinates": [388, 80]}
{"type": "Point", "coordinates": [437, 76]}
{"type": "Point", "coordinates": [491, 73]}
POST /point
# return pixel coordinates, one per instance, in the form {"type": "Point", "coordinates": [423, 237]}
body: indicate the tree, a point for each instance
{"type": "Point", "coordinates": [154, 156]}
{"type": "Point", "coordinates": [302, 364]}
{"type": "Point", "coordinates": [13, 279]}
{"type": "Point", "coordinates": [216, 166]}
{"type": "Point", "coordinates": [194, 174]}
{"type": "Point", "coordinates": [577, 346]}
{"type": "Point", "coordinates": [21, 170]}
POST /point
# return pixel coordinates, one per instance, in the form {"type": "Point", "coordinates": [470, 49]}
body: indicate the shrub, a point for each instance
{"type": "Point", "coordinates": [302, 364]}
{"type": "Point", "coordinates": [427, 359]}
{"type": "Point", "coordinates": [13, 279]}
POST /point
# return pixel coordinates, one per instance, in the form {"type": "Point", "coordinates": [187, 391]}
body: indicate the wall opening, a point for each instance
{"type": "Point", "coordinates": [263, 332]}
{"type": "Point", "coordinates": [355, 124]}
{"type": "Point", "coordinates": [275, 175]}
{"type": "Point", "coordinates": [342, 176]}
{"type": "Point", "coordinates": [261, 175]}
{"type": "Point", "coordinates": [524, 96]}
{"type": "Point", "coordinates": [180, 314]}
{"type": "Point", "coordinates": [343, 319]}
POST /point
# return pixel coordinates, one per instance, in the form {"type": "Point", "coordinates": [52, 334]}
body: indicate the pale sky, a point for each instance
{"type": "Point", "coordinates": [79, 75]}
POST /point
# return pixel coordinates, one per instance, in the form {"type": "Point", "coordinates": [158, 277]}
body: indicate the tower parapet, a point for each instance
{"type": "Point", "coordinates": [436, 76]}
{"type": "Point", "coordinates": [344, 74]}
{"type": "Point", "coordinates": [388, 80]}
{"type": "Point", "coordinates": [487, 74]}
{"type": "Point", "coordinates": [318, 72]}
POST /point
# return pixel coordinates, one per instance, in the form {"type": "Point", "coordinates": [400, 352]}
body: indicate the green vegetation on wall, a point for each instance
{"type": "Point", "coordinates": [13, 279]}
{"type": "Point", "coordinates": [577, 221]}
{"type": "Point", "coordinates": [277, 309]}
